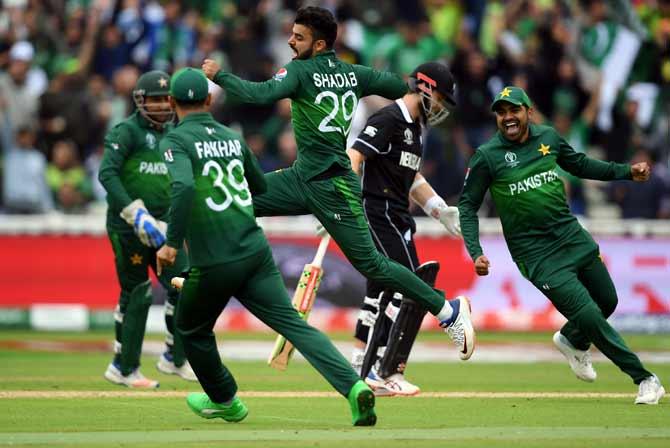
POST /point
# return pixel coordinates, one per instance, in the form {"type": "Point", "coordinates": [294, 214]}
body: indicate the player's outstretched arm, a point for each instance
{"type": "Point", "coordinates": [477, 181]}
{"type": "Point", "coordinates": [386, 84]}
{"type": "Point", "coordinates": [423, 194]}
{"type": "Point", "coordinates": [578, 164]}
{"type": "Point", "coordinates": [282, 85]}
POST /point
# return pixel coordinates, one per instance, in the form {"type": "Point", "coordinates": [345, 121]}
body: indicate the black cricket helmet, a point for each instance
{"type": "Point", "coordinates": [428, 78]}
{"type": "Point", "coordinates": [153, 83]}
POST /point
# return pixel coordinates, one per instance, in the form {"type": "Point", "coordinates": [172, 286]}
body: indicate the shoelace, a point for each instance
{"type": "Point", "coordinates": [456, 332]}
{"type": "Point", "coordinates": [585, 359]}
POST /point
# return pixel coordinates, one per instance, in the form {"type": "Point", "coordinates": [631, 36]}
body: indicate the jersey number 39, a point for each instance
{"type": "Point", "coordinates": [241, 195]}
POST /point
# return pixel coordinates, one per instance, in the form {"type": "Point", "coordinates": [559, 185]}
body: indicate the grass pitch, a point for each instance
{"type": "Point", "coordinates": [51, 399]}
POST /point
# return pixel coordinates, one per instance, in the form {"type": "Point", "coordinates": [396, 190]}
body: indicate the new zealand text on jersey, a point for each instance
{"type": "Point", "coordinates": [335, 80]}
{"type": "Point", "coordinates": [410, 160]}
{"type": "Point", "coordinates": [219, 148]}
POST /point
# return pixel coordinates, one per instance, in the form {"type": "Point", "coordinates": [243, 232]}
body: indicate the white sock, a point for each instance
{"type": "Point", "coordinates": [357, 357]}
{"type": "Point", "coordinates": [446, 312]}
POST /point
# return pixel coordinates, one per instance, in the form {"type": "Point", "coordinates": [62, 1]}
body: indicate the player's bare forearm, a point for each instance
{"type": "Point", "coordinates": [421, 190]}
{"type": "Point", "coordinates": [357, 159]}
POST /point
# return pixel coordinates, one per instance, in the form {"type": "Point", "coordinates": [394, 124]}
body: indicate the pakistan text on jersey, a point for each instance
{"type": "Point", "coordinates": [533, 182]}
{"type": "Point", "coordinates": [153, 168]}
{"type": "Point", "coordinates": [219, 148]}
{"type": "Point", "coordinates": [335, 80]}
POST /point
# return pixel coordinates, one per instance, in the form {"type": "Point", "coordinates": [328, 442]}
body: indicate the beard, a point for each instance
{"type": "Point", "coordinates": [304, 55]}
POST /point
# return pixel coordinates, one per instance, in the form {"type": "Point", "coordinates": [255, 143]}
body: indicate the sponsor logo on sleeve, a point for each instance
{"type": "Point", "coordinates": [280, 75]}
{"type": "Point", "coordinates": [370, 130]}
{"type": "Point", "coordinates": [168, 155]}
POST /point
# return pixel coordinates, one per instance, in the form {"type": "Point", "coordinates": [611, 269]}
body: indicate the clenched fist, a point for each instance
{"type": "Point", "coordinates": [640, 171]}
{"type": "Point", "coordinates": [482, 265]}
{"type": "Point", "coordinates": [210, 68]}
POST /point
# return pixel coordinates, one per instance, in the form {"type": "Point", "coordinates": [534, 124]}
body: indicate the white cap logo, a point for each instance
{"type": "Point", "coordinates": [190, 93]}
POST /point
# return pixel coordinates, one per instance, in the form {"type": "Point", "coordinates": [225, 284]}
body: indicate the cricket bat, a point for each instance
{"type": "Point", "coordinates": [303, 299]}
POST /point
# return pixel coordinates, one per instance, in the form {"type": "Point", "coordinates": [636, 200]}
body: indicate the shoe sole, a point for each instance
{"type": "Point", "coordinates": [366, 408]}
{"type": "Point", "coordinates": [567, 353]}
{"type": "Point", "coordinates": [168, 371]}
{"type": "Point", "coordinates": [661, 393]}
{"type": "Point", "coordinates": [231, 419]}
{"type": "Point", "coordinates": [469, 338]}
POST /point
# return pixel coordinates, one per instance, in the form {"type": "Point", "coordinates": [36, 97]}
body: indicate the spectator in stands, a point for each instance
{"type": "Point", "coordinates": [67, 179]}
{"type": "Point", "coordinates": [21, 86]}
{"type": "Point", "coordinates": [24, 186]}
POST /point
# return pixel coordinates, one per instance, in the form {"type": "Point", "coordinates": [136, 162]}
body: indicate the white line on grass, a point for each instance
{"type": "Point", "coordinates": [365, 434]}
{"type": "Point", "coordinates": [15, 394]}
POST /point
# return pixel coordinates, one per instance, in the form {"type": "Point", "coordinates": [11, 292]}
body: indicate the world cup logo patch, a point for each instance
{"type": "Point", "coordinates": [510, 158]}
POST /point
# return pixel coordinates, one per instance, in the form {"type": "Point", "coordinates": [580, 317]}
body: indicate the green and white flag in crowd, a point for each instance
{"type": "Point", "coordinates": [612, 49]}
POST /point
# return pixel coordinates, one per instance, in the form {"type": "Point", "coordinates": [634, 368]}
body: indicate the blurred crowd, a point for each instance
{"type": "Point", "coordinates": [599, 70]}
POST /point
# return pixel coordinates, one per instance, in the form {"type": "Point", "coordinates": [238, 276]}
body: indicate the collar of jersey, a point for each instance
{"type": "Point", "coordinates": [143, 122]}
{"type": "Point", "coordinates": [325, 53]}
{"type": "Point", "coordinates": [405, 112]}
{"type": "Point", "coordinates": [195, 116]}
{"type": "Point", "coordinates": [532, 132]}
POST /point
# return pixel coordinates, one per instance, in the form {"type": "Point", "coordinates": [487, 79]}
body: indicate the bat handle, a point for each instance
{"type": "Point", "coordinates": [321, 251]}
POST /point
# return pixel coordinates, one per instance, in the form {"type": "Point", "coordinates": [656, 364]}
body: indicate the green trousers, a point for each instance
{"type": "Point", "coordinates": [133, 260]}
{"type": "Point", "coordinates": [576, 281]}
{"type": "Point", "coordinates": [255, 281]}
{"type": "Point", "coordinates": [336, 203]}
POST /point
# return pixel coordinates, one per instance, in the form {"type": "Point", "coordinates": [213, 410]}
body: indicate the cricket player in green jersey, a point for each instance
{"type": "Point", "coordinates": [214, 175]}
{"type": "Point", "coordinates": [552, 250]}
{"type": "Point", "coordinates": [324, 93]}
{"type": "Point", "coordinates": [138, 197]}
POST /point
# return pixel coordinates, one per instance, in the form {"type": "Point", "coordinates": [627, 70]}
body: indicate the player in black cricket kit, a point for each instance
{"type": "Point", "coordinates": [387, 156]}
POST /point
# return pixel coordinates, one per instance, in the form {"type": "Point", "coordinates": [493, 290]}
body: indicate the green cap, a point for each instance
{"type": "Point", "coordinates": [153, 83]}
{"type": "Point", "coordinates": [189, 85]}
{"type": "Point", "coordinates": [512, 94]}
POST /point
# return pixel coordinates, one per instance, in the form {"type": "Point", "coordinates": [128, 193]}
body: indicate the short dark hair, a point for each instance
{"type": "Point", "coordinates": [320, 21]}
{"type": "Point", "coordinates": [189, 105]}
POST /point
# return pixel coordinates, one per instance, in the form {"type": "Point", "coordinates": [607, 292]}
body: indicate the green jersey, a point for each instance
{"type": "Point", "coordinates": [324, 93]}
{"type": "Point", "coordinates": [528, 192]}
{"type": "Point", "coordinates": [213, 176]}
{"type": "Point", "coordinates": [133, 168]}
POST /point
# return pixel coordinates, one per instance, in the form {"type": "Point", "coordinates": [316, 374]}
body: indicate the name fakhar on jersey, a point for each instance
{"type": "Point", "coordinates": [331, 80]}
{"type": "Point", "coordinates": [218, 148]}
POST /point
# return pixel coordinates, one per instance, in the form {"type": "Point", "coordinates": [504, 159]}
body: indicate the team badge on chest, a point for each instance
{"type": "Point", "coordinates": [151, 141]}
{"type": "Point", "coordinates": [510, 158]}
{"type": "Point", "coordinates": [409, 136]}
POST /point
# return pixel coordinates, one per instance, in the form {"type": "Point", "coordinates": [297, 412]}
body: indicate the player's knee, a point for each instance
{"type": "Point", "coordinates": [609, 305]}
{"type": "Point", "coordinates": [373, 267]}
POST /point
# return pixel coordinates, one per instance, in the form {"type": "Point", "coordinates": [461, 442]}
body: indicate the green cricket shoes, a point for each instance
{"type": "Point", "coordinates": [206, 408]}
{"type": "Point", "coordinates": [362, 403]}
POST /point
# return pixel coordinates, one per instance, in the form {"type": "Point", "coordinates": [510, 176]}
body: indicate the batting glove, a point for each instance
{"type": "Point", "coordinates": [150, 231]}
{"type": "Point", "coordinates": [449, 217]}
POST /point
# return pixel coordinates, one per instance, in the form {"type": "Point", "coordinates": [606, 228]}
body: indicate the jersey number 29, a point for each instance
{"type": "Point", "coordinates": [242, 194]}
{"type": "Point", "coordinates": [325, 126]}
